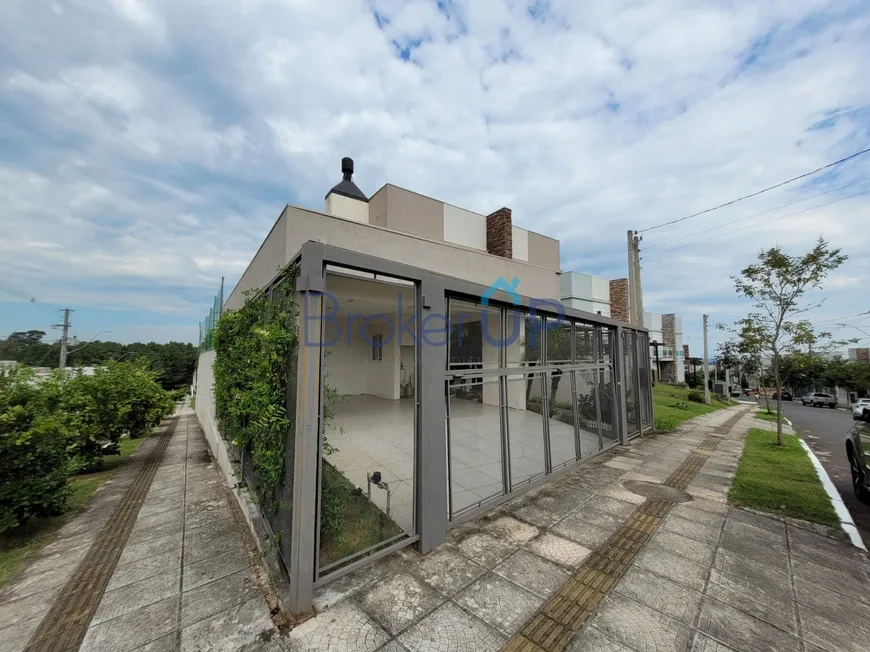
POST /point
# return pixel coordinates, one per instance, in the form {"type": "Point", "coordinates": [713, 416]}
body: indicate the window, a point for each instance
{"type": "Point", "coordinates": [377, 347]}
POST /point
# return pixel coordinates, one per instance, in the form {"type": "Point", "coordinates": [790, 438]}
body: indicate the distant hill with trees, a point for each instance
{"type": "Point", "coordinates": [174, 362]}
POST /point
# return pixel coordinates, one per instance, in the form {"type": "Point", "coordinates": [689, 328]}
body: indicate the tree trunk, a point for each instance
{"type": "Point", "coordinates": [778, 381]}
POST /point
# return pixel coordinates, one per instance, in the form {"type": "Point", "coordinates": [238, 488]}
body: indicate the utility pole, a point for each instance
{"type": "Point", "coordinates": [632, 280]}
{"type": "Point", "coordinates": [635, 291]}
{"type": "Point", "coordinates": [706, 366]}
{"type": "Point", "coordinates": [64, 339]}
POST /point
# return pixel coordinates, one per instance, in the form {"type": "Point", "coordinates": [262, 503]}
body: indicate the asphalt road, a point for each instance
{"type": "Point", "coordinates": [825, 431]}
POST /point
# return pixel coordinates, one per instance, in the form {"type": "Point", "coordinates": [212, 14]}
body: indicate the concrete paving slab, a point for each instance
{"type": "Point", "coordinates": [136, 595]}
{"type": "Point", "coordinates": [216, 596]}
{"type": "Point", "coordinates": [557, 549]}
{"type": "Point", "coordinates": [704, 643]}
{"type": "Point", "coordinates": [499, 603]}
{"type": "Point", "coordinates": [447, 571]}
{"type": "Point", "coordinates": [145, 568]}
{"type": "Point", "coordinates": [583, 532]}
{"type": "Point", "coordinates": [696, 530]}
{"type": "Point", "coordinates": [838, 634]}
{"type": "Point", "coordinates": [742, 547]}
{"type": "Point", "coordinates": [399, 601]}
{"type": "Point", "coordinates": [697, 551]}
{"type": "Point", "coordinates": [691, 512]}
{"type": "Point", "coordinates": [771, 602]}
{"type": "Point", "coordinates": [449, 628]}
{"type": "Point", "coordinates": [512, 530]}
{"type": "Point", "coordinates": [533, 573]}
{"type": "Point", "coordinates": [215, 568]}
{"type": "Point", "coordinates": [847, 583]}
{"type": "Point", "coordinates": [591, 638]}
{"type": "Point", "coordinates": [242, 627]}
{"type": "Point", "coordinates": [741, 631]}
{"type": "Point", "coordinates": [639, 627]}
{"type": "Point", "coordinates": [673, 567]}
{"type": "Point", "coordinates": [485, 549]}
{"type": "Point", "coordinates": [344, 627]}
{"type": "Point", "coordinates": [661, 594]}
{"type": "Point", "coordinates": [134, 629]}
{"type": "Point", "coordinates": [143, 546]}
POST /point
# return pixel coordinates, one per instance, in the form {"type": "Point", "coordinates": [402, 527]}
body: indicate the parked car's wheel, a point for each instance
{"type": "Point", "coordinates": [857, 478]}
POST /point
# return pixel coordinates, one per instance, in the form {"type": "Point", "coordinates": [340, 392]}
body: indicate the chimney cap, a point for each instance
{"type": "Point", "coordinates": [346, 187]}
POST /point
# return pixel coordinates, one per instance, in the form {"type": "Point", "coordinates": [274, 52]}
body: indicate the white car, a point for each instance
{"type": "Point", "coordinates": [859, 407]}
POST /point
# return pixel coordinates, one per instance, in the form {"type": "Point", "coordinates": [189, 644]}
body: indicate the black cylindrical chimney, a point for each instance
{"type": "Point", "coordinates": [347, 168]}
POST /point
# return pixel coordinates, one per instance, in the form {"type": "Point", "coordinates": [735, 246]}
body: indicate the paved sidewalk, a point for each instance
{"type": "Point", "coordinates": [182, 581]}
{"type": "Point", "coordinates": [584, 563]}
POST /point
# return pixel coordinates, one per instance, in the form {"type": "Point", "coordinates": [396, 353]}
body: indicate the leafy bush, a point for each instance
{"type": "Point", "coordinates": [120, 398]}
{"type": "Point", "coordinates": [33, 449]}
{"type": "Point", "coordinates": [721, 398]}
{"type": "Point", "coordinates": [695, 397]}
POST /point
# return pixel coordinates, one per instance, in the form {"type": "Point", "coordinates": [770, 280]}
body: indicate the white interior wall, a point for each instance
{"type": "Point", "coordinates": [349, 365]}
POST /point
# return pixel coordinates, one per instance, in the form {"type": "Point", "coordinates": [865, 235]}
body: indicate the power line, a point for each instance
{"type": "Point", "coordinates": [753, 226]}
{"type": "Point", "coordinates": [860, 314]}
{"type": "Point", "coordinates": [759, 192]}
{"type": "Point", "coordinates": [749, 217]}
{"type": "Point", "coordinates": [11, 290]}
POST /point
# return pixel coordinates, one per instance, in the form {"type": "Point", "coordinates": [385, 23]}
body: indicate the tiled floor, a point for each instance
{"type": "Point", "coordinates": [376, 434]}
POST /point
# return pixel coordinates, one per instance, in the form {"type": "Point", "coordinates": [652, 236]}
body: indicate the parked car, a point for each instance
{"type": "Point", "coordinates": [858, 453]}
{"type": "Point", "coordinates": [819, 399]}
{"type": "Point", "coordinates": [859, 407]}
{"type": "Point", "coordinates": [786, 395]}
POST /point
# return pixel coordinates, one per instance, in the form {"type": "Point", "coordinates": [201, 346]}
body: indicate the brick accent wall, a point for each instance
{"type": "Point", "coordinates": [619, 299]}
{"type": "Point", "coordinates": [499, 233]}
{"type": "Point", "coordinates": [668, 335]}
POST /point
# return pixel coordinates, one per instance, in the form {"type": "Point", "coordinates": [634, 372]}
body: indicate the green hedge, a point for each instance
{"type": "Point", "coordinates": [59, 424]}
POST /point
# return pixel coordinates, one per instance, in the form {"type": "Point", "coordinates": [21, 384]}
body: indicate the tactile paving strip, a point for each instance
{"type": "Point", "coordinates": [556, 623]}
{"type": "Point", "coordinates": [65, 624]}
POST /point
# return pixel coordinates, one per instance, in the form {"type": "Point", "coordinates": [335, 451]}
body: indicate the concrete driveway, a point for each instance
{"type": "Point", "coordinates": [825, 431]}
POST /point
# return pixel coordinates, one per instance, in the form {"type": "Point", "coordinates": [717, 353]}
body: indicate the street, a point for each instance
{"type": "Point", "coordinates": [825, 431]}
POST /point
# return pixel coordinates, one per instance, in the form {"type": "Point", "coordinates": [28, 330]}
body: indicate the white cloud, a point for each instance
{"type": "Point", "coordinates": [153, 143]}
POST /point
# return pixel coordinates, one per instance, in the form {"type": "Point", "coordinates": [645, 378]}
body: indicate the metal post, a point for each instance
{"type": "Point", "coordinates": [302, 565]}
{"type": "Point", "coordinates": [706, 369]}
{"type": "Point", "coordinates": [619, 387]}
{"type": "Point", "coordinates": [431, 451]}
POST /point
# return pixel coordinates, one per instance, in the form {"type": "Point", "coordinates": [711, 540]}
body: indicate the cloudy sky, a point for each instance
{"type": "Point", "coordinates": [146, 146]}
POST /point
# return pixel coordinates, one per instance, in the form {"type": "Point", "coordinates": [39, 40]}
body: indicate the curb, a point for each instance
{"type": "Point", "coordinates": [843, 514]}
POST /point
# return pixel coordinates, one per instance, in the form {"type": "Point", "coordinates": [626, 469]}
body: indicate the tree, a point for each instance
{"type": "Point", "coordinates": [27, 337]}
{"type": "Point", "coordinates": [777, 284]}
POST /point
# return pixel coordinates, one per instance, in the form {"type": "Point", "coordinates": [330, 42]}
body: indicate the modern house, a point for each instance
{"type": "Point", "coordinates": [610, 298]}
{"type": "Point", "coordinates": [437, 373]}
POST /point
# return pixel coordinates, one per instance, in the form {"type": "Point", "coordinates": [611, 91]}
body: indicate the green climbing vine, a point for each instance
{"type": "Point", "coordinates": [255, 346]}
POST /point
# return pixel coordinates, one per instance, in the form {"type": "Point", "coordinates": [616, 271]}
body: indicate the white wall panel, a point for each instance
{"type": "Point", "coordinates": [520, 239]}
{"type": "Point", "coordinates": [464, 227]}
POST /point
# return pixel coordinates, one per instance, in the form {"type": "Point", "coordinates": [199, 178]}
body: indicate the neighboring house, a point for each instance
{"type": "Point", "coordinates": [462, 378]}
{"type": "Point", "coordinates": [862, 354]}
{"type": "Point", "coordinates": [611, 299]}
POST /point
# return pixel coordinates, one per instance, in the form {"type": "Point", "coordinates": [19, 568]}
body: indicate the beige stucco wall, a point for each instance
{"type": "Point", "coordinates": [543, 251]}
{"type": "Point", "coordinates": [408, 212]}
{"type": "Point", "coordinates": [271, 257]}
{"type": "Point", "coordinates": [304, 225]}
{"type": "Point", "coordinates": [351, 209]}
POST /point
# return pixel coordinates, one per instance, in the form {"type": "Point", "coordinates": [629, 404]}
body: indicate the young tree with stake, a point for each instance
{"type": "Point", "coordinates": [777, 284]}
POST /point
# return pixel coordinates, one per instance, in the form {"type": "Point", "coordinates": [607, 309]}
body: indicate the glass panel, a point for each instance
{"type": "Point", "coordinates": [585, 345]}
{"type": "Point", "coordinates": [475, 341]}
{"type": "Point", "coordinates": [558, 342]}
{"type": "Point", "coordinates": [587, 410]}
{"type": "Point", "coordinates": [605, 346]}
{"type": "Point", "coordinates": [369, 389]}
{"type": "Point", "coordinates": [608, 405]}
{"type": "Point", "coordinates": [522, 341]}
{"type": "Point", "coordinates": [630, 382]}
{"type": "Point", "coordinates": [563, 446]}
{"type": "Point", "coordinates": [644, 386]}
{"type": "Point", "coordinates": [474, 440]}
{"type": "Point", "coordinates": [525, 427]}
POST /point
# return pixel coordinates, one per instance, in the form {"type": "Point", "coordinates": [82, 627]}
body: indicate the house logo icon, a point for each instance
{"type": "Point", "coordinates": [502, 285]}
